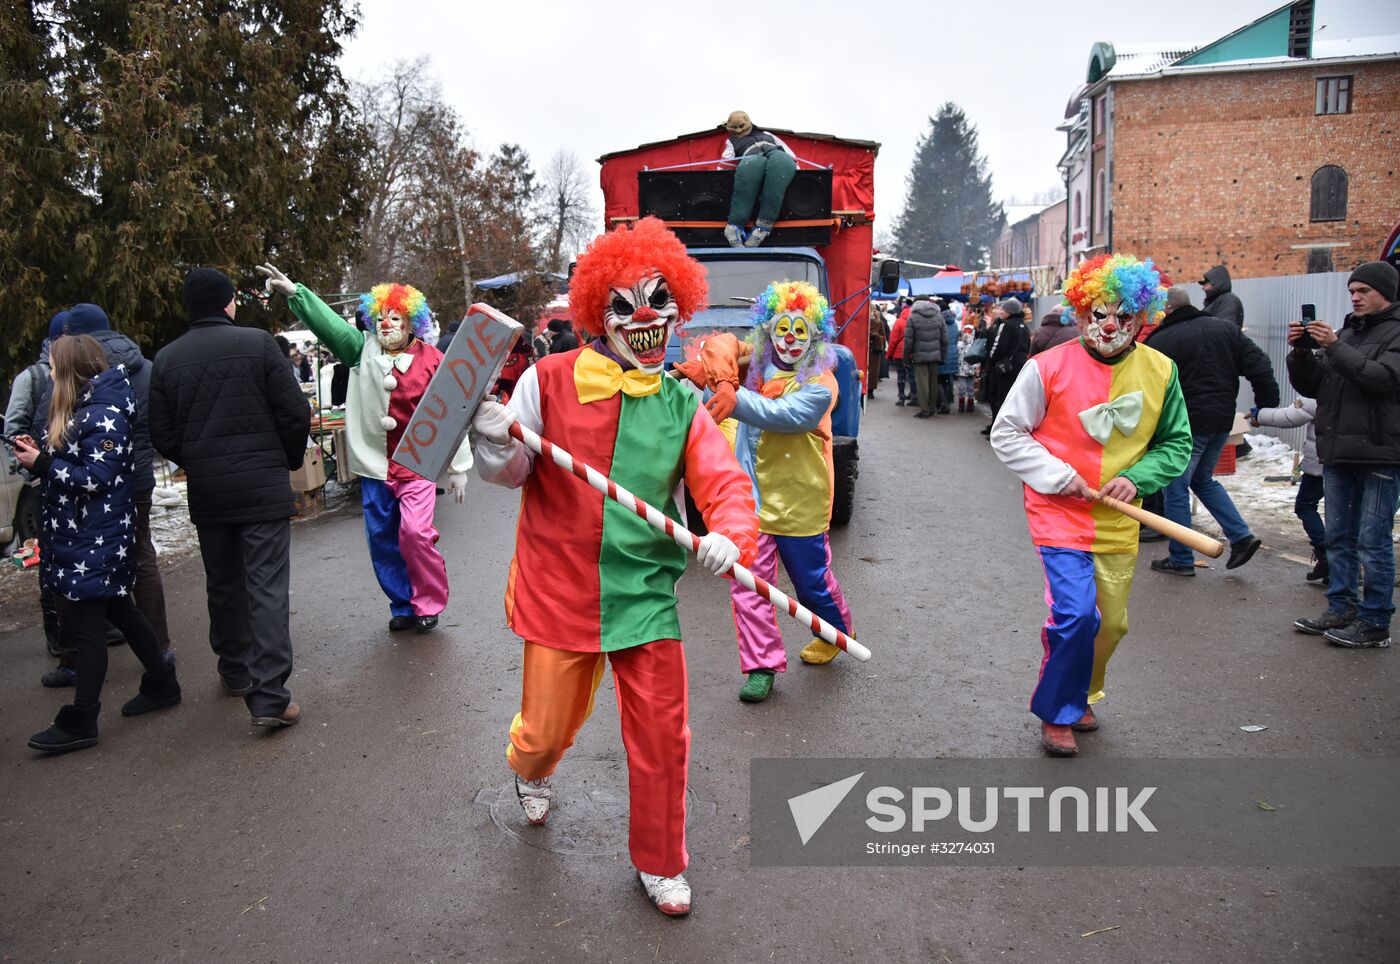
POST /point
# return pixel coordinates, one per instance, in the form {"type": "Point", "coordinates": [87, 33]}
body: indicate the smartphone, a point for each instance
{"type": "Point", "coordinates": [1305, 341]}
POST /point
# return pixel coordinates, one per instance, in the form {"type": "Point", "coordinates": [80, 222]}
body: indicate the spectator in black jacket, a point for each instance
{"type": "Point", "coordinates": [1211, 356]}
{"type": "Point", "coordinates": [1009, 349]}
{"type": "Point", "coordinates": [1355, 377]}
{"type": "Point", "coordinates": [1220, 300]}
{"type": "Point", "coordinates": [226, 407]}
{"type": "Point", "coordinates": [564, 338]}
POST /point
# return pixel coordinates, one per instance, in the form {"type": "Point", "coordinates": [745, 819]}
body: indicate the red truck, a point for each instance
{"type": "Point", "coordinates": [823, 235]}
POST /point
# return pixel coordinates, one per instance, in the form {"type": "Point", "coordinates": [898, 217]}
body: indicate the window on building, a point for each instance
{"type": "Point", "coordinates": [1333, 95]}
{"type": "Point", "coordinates": [1098, 118]}
{"type": "Point", "coordinates": [1078, 210]}
{"type": "Point", "coordinates": [1100, 197]}
{"type": "Point", "coordinates": [1319, 260]}
{"type": "Point", "coordinates": [1329, 194]}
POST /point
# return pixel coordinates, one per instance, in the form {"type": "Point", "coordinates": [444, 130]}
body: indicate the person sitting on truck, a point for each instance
{"type": "Point", "coordinates": [766, 167]}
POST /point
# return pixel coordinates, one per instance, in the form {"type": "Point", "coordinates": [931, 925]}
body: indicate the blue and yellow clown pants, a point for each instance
{"type": "Point", "coordinates": [1088, 598]}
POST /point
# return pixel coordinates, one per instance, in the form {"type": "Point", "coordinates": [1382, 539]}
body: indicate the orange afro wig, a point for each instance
{"type": "Point", "coordinates": [621, 258]}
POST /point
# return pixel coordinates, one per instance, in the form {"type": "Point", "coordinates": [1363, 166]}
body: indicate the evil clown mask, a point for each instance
{"type": "Point", "coordinates": [395, 313]}
{"type": "Point", "coordinates": [1109, 330]}
{"type": "Point", "coordinates": [638, 321]}
{"type": "Point", "coordinates": [791, 337]}
{"type": "Point", "coordinates": [1113, 296]}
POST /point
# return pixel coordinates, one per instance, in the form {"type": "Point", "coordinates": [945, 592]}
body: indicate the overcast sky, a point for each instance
{"type": "Point", "coordinates": [594, 77]}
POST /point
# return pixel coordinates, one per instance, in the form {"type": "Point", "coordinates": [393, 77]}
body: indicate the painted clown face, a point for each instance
{"type": "Point", "coordinates": [392, 330]}
{"type": "Point", "coordinates": [791, 336]}
{"type": "Point", "coordinates": [1107, 331]}
{"type": "Point", "coordinates": [638, 322]}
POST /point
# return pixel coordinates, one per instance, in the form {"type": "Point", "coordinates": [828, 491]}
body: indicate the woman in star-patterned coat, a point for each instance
{"type": "Point", "coordinates": [85, 462]}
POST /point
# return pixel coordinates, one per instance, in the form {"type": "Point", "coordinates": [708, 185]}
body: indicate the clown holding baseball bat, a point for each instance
{"type": "Point", "coordinates": [634, 430]}
{"type": "Point", "coordinates": [1088, 425]}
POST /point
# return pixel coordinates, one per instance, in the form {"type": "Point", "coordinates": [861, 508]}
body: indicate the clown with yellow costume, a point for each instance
{"type": "Point", "coordinates": [783, 442]}
{"type": "Point", "coordinates": [1101, 413]}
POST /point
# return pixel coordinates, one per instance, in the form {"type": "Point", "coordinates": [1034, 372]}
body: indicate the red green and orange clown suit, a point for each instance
{"type": "Point", "coordinates": [590, 581]}
{"type": "Point", "coordinates": [1072, 411]}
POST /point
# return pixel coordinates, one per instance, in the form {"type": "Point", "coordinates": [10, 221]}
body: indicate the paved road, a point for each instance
{"type": "Point", "coordinates": [372, 832]}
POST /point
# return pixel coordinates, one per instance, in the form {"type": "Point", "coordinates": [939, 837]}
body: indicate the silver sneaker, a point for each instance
{"type": "Point", "coordinates": [534, 797]}
{"type": "Point", "coordinates": [671, 895]}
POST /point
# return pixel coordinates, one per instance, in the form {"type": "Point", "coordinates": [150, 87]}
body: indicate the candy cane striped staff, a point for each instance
{"type": "Point", "coordinates": [685, 538]}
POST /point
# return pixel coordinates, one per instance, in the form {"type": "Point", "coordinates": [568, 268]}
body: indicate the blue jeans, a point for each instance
{"type": "Point", "coordinates": [905, 372]}
{"type": "Point", "coordinates": [1360, 517]}
{"type": "Point", "coordinates": [1305, 508]}
{"type": "Point", "coordinates": [1199, 478]}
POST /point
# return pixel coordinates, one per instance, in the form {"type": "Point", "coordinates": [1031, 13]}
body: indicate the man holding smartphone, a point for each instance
{"type": "Point", "coordinates": [1354, 374]}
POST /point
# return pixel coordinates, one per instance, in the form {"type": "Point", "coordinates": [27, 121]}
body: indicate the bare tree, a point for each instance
{"type": "Point", "coordinates": [567, 210]}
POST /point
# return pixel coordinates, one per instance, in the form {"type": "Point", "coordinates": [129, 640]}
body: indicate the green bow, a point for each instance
{"type": "Point", "coordinates": [1123, 413]}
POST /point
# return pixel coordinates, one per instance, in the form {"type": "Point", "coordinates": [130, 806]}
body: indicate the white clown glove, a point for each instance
{"type": "Point", "coordinates": [717, 554]}
{"type": "Point", "coordinates": [276, 281]}
{"type": "Point", "coordinates": [457, 485]}
{"type": "Point", "coordinates": [492, 422]}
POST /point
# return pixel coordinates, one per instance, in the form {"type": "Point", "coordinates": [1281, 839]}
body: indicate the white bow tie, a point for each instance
{"type": "Point", "coordinates": [400, 361]}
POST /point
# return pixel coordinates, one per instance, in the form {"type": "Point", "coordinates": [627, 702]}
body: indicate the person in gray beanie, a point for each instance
{"type": "Point", "coordinates": [1354, 374]}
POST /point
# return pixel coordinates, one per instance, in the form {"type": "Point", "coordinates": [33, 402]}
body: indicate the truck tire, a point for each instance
{"type": "Point", "coordinates": [846, 465]}
{"type": "Point", "coordinates": [27, 514]}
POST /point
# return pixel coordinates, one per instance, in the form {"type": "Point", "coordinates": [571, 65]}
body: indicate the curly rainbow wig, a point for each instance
{"type": "Point", "coordinates": [405, 299]}
{"type": "Point", "coordinates": [793, 297]}
{"type": "Point", "coordinates": [1137, 286]}
{"type": "Point", "coordinates": [621, 258]}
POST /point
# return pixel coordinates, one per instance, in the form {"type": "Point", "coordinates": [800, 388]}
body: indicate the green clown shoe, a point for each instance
{"type": "Point", "coordinates": [757, 687]}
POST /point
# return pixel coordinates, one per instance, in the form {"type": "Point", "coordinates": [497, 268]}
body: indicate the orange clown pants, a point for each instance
{"type": "Point", "coordinates": [557, 696]}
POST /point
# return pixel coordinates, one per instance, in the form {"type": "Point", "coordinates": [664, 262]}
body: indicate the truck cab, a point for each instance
{"type": "Point", "coordinates": [823, 236]}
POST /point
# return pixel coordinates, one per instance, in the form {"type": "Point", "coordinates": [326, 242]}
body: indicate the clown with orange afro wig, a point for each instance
{"type": "Point", "coordinates": [390, 367]}
{"type": "Point", "coordinates": [609, 404]}
{"type": "Point", "coordinates": [1103, 414]}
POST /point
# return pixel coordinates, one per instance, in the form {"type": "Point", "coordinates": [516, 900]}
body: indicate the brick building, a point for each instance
{"type": "Point", "coordinates": [1269, 150]}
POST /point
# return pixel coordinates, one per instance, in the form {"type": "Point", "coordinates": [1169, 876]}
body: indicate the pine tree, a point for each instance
{"type": "Point", "coordinates": [209, 132]}
{"type": "Point", "coordinates": [949, 216]}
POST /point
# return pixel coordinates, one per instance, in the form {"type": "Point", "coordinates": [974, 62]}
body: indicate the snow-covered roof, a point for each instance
{"type": "Point", "coordinates": [1137, 60]}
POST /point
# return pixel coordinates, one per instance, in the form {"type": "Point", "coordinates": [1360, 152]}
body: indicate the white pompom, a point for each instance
{"type": "Point", "coordinates": [388, 422]}
{"type": "Point", "coordinates": [390, 382]}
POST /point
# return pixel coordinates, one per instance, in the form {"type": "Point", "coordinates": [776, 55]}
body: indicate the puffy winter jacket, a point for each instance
{"type": "Point", "coordinates": [88, 496]}
{"type": "Point", "coordinates": [1010, 347]}
{"type": "Point", "coordinates": [1356, 381]}
{"type": "Point", "coordinates": [30, 387]}
{"type": "Point", "coordinates": [926, 335]}
{"type": "Point", "coordinates": [1222, 302]}
{"type": "Point", "coordinates": [895, 349]}
{"type": "Point", "coordinates": [951, 352]}
{"type": "Point", "coordinates": [1050, 334]}
{"type": "Point", "coordinates": [1211, 356]}
{"type": "Point", "coordinates": [225, 407]}
{"type": "Point", "coordinates": [1301, 412]}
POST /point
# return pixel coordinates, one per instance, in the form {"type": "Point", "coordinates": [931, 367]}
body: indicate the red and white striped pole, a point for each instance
{"type": "Point", "coordinates": [685, 538]}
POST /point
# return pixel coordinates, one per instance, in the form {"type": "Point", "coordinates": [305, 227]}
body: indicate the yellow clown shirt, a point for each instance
{"type": "Point", "coordinates": [784, 444]}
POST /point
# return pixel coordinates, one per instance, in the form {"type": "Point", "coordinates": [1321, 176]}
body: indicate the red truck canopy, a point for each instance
{"type": "Point", "coordinates": [852, 165]}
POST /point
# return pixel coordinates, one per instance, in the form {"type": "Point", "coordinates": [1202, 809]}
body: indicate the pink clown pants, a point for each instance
{"type": "Point", "coordinates": [807, 560]}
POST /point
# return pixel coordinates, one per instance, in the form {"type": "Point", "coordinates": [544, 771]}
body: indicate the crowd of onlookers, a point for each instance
{"type": "Point", "coordinates": [87, 419]}
{"type": "Point", "coordinates": [1348, 380]}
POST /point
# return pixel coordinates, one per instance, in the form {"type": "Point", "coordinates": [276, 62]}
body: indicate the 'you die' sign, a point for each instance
{"type": "Point", "coordinates": [468, 370]}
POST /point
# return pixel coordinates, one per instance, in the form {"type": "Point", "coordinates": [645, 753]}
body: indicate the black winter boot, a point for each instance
{"type": "Point", "coordinates": [155, 694]}
{"type": "Point", "coordinates": [75, 728]}
{"type": "Point", "coordinates": [1319, 572]}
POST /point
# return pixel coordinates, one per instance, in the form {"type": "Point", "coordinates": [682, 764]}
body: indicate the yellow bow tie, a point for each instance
{"type": "Point", "coordinates": [598, 377]}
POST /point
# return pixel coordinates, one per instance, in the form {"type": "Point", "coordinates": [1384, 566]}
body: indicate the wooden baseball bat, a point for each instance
{"type": "Point", "coordinates": [1198, 541]}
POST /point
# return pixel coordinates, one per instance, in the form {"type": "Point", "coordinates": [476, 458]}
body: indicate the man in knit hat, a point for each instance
{"type": "Point", "coordinates": [1355, 376]}
{"type": "Point", "coordinates": [225, 407]}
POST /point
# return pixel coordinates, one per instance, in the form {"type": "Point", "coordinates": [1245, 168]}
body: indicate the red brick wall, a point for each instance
{"type": "Point", "coordinates": [1217, 168]}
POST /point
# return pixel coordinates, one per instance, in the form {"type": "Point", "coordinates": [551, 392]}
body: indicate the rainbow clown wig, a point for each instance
{"type": "Point", "coordinates": [1137, 286]}
{"type": "Point", "coordinates": [405, 299]}
{"type": "Point", "coordinates": [621, 258]}
{"type": "Point", "coordinates": [793, 297]}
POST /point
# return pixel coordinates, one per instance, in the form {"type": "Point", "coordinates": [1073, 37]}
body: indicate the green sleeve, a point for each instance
{"type": "Point", "coordinates": [1170, 451]}
{"type": "Point", "coordinates": [344, 340]}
